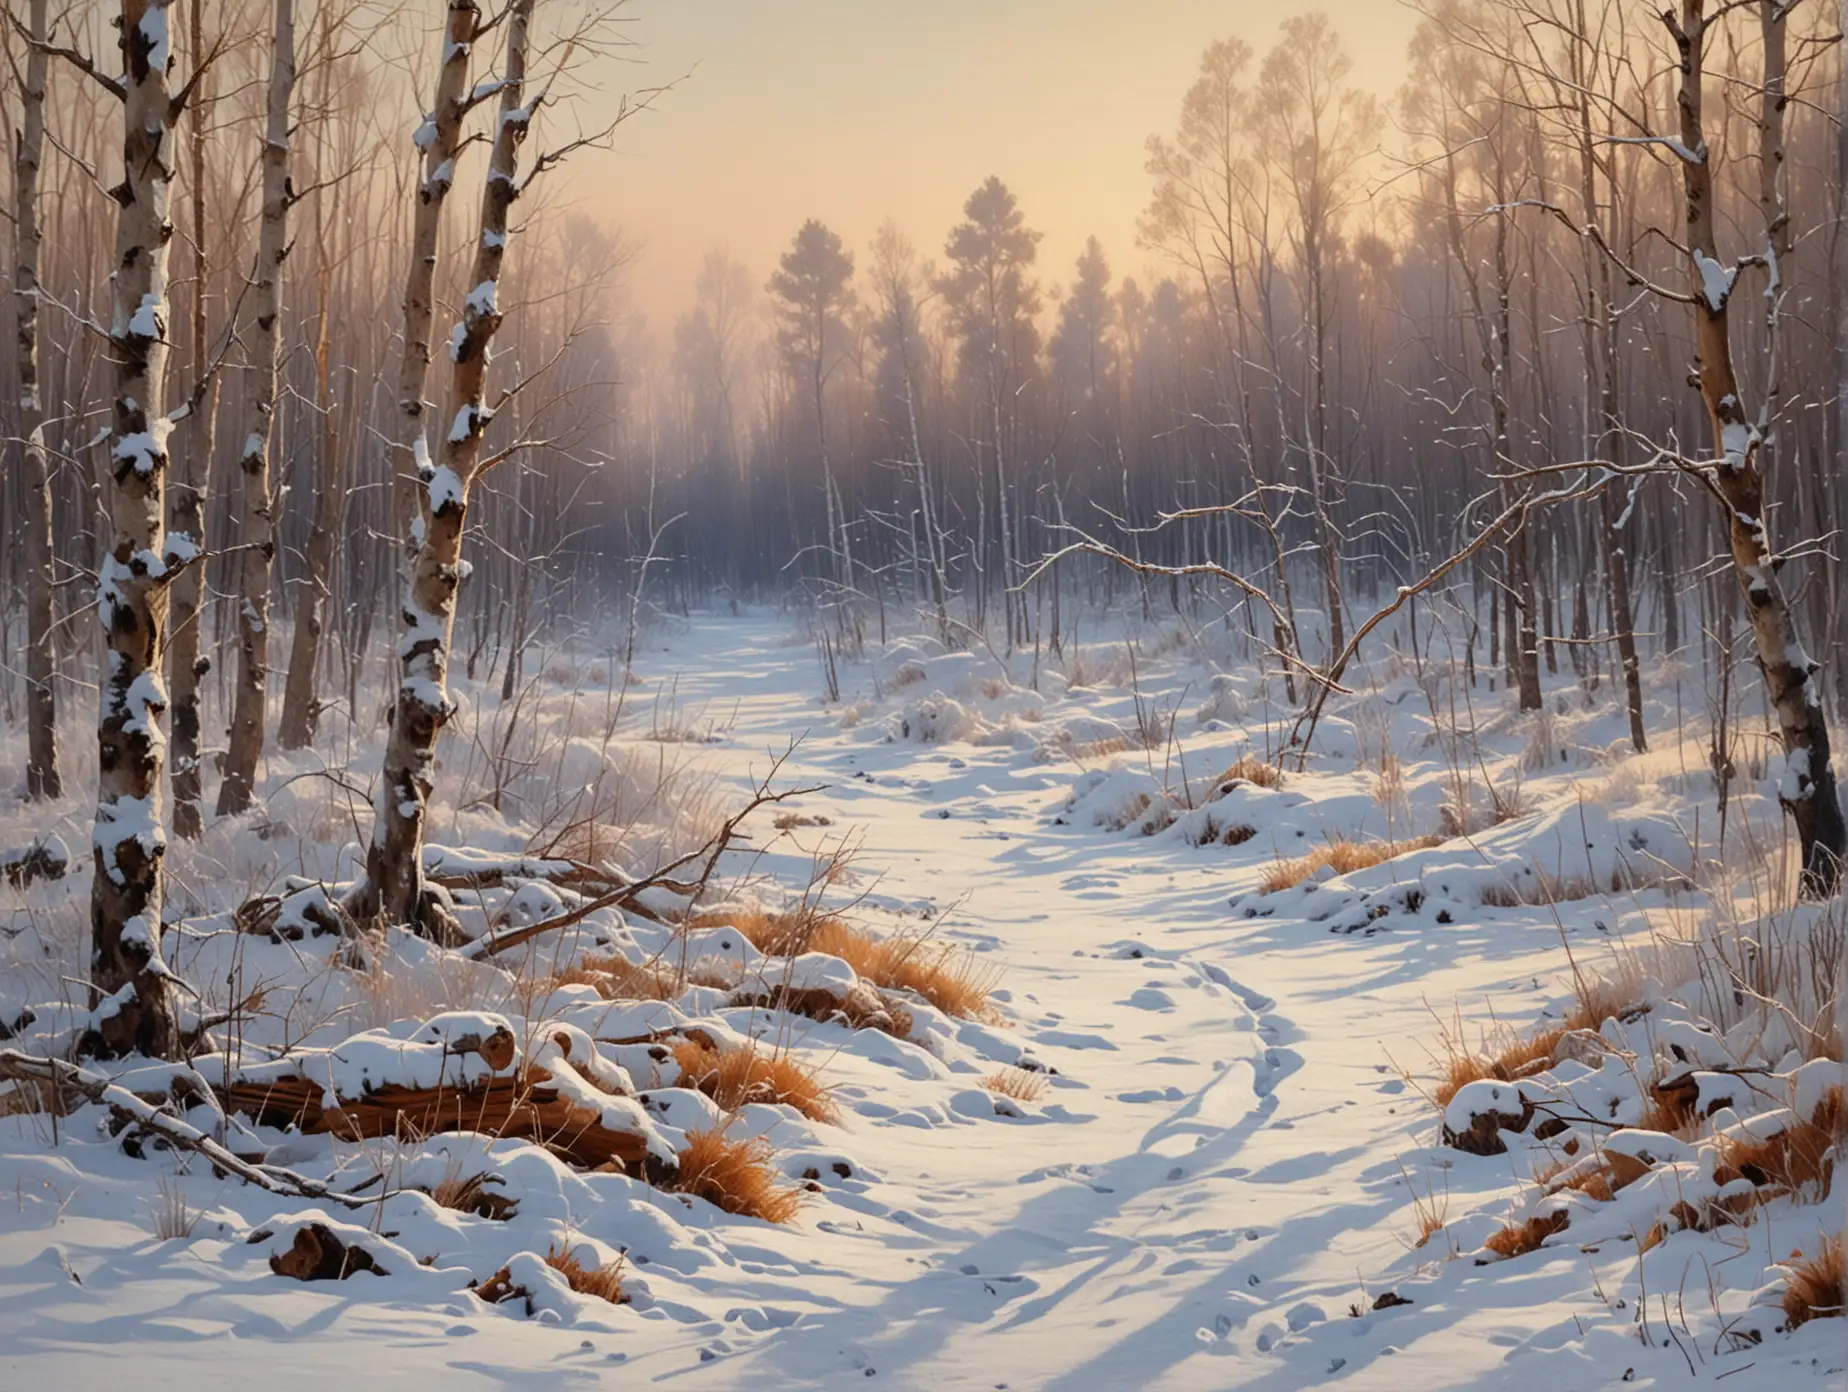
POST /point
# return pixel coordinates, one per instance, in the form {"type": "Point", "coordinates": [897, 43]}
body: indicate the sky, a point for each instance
{"type": "Point", "coordinates": [853, 111]}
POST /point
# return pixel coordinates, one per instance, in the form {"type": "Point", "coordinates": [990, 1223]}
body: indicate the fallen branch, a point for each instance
{"type": "Point", "coordinates": [96, 1087]}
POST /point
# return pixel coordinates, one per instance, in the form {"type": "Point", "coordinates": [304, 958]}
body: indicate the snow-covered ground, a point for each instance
{"type": "Point", "coordinates": [1223, 1177]}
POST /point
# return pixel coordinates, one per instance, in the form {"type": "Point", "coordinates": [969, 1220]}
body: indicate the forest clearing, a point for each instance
{"type": "Point", "coordinates": [1270, 822]}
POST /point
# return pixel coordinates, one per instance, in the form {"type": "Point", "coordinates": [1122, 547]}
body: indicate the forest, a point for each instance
{"type": "Point", "coordinates": [578, 808]}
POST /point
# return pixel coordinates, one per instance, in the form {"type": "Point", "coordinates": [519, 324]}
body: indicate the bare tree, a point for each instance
{"type": "Point", "coordinates": [186, 666]}
{"type": "Point", "coordinates": [256, 527]}
{"type": "Point", "coordinates": [1808, 791]}
{"type": "Point", "coordinates": [394, 883]}
{"type": "Point", "coordinates": [1316, 129]}
{"type": "Point", "coordinates": [440, 139]}
{"type": "Point", "coordinates": [128, 974]}
{"type": "Point", "coordinates": [43, 777]}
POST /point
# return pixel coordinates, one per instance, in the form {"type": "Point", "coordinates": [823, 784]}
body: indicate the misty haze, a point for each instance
{"type": "Point", "coordinates": [1007, 694]}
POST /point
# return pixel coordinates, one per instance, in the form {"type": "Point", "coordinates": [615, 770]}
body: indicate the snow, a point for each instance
{"type": "Point", "coordinates": [146, 321]}
{"type": "Point", "coordinates": [1215, 1187]}
{"type": "Point", "coordinates": [445, 489]}
{"type": "Point", "coordinates": [481, 300]}
{"type": "Point", "coordinates": [155, 33]}
{"type": "Point", "coordinates": [1716, 281]}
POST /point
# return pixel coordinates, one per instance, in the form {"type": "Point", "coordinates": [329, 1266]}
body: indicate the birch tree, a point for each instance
{"type": "Point", "coordinates": [256, 527]}
{"type": "Point", "coordinates": [1808, 789]}
{"type": "Point", "coordinates": [440, 139]}
{"type": "Point", "coordinates": [394, 882]}
{"type": "Point", "coordinates": [186, 667]}
{"type": "Point", "coordinates": [43, 776]}
{"type": "Point", "coordinates": [129, 977]}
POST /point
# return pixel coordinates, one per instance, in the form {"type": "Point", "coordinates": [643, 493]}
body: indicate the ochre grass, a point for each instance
{"type": "Point", "coordinates": [1514, 1056]}
{"type": "Point", "coordinates": [952, 979]}
{"type": "Point", "coordinates": [1021, 1084]}
{"type": "Point", "coordinates": [1518, 1239]}
{"type": "Point", "coordinates": [1813, 1285]}
{"type": "Point", "coordinates": [616, 979]}
{"type": "Point", "coordinates": [604, 1282]}
{"type": "Point", "coordinates": [737, 1176]}
{"type": "Point", "coordinates": [1797, 1159]}
{"type": "Point", "coordinates": [1344, 855]}
{"type": "Point", "coordinates": [1251, 769]}
{"type": "Point", "coordinates": [738, 1076]}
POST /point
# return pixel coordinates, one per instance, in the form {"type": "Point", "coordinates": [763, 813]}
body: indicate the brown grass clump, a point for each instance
{"type": "Point", "coordinates": [860, 1008]}
{"type": "Point", "coordinates": [1517, 1058]}
{"type": "Point", "coordinates": [1813, 1286]}
{"type": "Point", "coordinates": [604, 1282]}
{"type": "Point", "coordinates": [617, 979]}
{"type": "Point", "coordinates": [1596, 1183]}
{"type": "Point", "coordinates": [1251, 769]}
{"type": "Point", "coordinates": [1518, 1239]}
{"type": "Point", "coordinates": [736, 1176]}
{"type": "Point", "coordinates": [1514, 1056]}
{"type": "Point", "coordinates": [736, 1077]}
{"type": "Point", "coordinates": [1796, 1160]}
{"type": "Point", "coordinates": [472, 1195]}
{"type": "Point", "coordinates": [1021, 1084]}
{"type": "Point", "coordinates": [1345, 856]}
{"type": "Point", "coordinates": [952, 979]}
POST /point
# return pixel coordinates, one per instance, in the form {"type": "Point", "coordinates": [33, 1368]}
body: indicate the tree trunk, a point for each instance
{"type": "Point", "coordinates": [186, 668]}
{"type": "Point", "coordinates": [256, 527]}
{"type": "Point", "coordinates": [1807, 790]}
{"type": "Point", "coordinates": [129, 978]}
{"type": "Point", "coordinates": [394, 885]}
{"type": "Point", "coordinates": [301, 708]}
{"type": "Point", "coordinates": [440, 138]}
{"type": "Point", "coordinates": [43, 777]}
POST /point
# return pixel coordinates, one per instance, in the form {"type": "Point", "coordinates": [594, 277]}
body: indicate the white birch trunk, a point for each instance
{"type": "Point", "coordinates": [43, 777]}
{"type": "Point", "coordinates": [256, 526]}
{"type": "Point", "coordinates": [394, 885]}
{"type": "Point", "coordinates": [129, 978]}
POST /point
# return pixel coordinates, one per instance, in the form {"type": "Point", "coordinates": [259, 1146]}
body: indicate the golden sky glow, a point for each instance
{"type": "Point", "coordinates": [853, 111]}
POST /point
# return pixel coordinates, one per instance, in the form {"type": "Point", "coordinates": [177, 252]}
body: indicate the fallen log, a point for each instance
{"type": "Point", "coordinates": [96, 1087]}
{"type": "Point", "coordinates": [459, 1073]}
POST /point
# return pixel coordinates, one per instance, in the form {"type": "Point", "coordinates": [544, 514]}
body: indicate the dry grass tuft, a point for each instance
{"type": "Point", "coordinates": [1813, 1286]}
{"type": "Point", "coordinates": [603, 1282]}
{"type": "Point", "coordinates": [1344, 856]}
{"type": "Point", "coordinates": [1021, 1084]}
{"type": "Point", "coordinates": [736, 1077]}
{"type": "Point", "coordinates": [954, 980]}
{"type": "Point", "coordinates": [173, 1216]}
{"type": "Point", "coordinates": [1250, 769]}
{"type": "Point", "coordinates": [860, 1008]}
{"type": "Point", "coordinates": [1518, 1239]}
{"type": "Point", "coordinates": [1797, 1160]}
{"type": "Point", "coordinates": [1510, 1056]}
{"type": "Point", "coordinates": [617, 979]}
{"type": "Point", "coordinates": [736, 1176]}
{"type": "Point", "coordinates": [471, 1194]}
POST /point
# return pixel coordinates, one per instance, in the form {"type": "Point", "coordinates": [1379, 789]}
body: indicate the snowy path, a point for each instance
{"type": "Point", "coordinates": [1225, 1166]}
{"type": "Point", "coordinates": [1223, 1170]}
